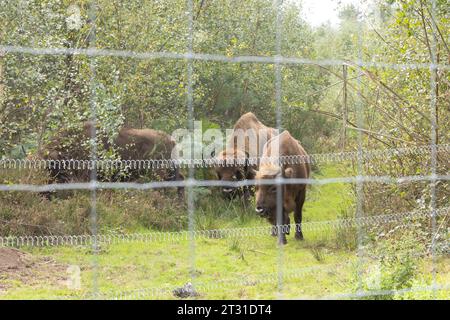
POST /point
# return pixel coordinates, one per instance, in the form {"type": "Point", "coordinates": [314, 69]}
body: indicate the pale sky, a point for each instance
{"type": "Point", "coordinates": [317, 12]}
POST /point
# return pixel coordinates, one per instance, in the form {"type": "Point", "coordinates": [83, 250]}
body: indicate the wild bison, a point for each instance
{"type": "Point", "coordinates": [247, 141]}
{"type": "Point", "coordinates": [144, 144]}
{"type": "Point", "coordinates": [130, 144]}
{"type": "Point", "coordinates": [292, 195]}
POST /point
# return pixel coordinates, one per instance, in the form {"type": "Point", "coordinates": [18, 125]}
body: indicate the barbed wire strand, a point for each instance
{"type": "Point", "coordinates": [203, 288]}
{"type": "Point", "coordinates": [148, 237]}
{"type": "Point", "coordinates": [206, 287]}
{"type": "Point", "coordinates": [138, 164]}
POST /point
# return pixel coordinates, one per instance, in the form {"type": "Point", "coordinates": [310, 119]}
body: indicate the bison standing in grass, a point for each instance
{"type": "Point", "coordinates": [292, 195]}
{"type": "Point", "coordinates": [129, 144]}
{"type": "Point", "coordinates": [247, 141]}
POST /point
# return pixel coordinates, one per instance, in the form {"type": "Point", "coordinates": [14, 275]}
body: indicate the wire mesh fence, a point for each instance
{"type": "Point", "coordinates": [283, 278]}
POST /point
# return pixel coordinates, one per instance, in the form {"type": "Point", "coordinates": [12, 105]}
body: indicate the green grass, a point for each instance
{"type": "Point", "coordinates": [226, 268]}
{"type": "Point", "coordinates": [241, 270]}
{"type": "Point", "coordinates": [325, 202]}
{"type": "Point", "coordinates": [134, 266]}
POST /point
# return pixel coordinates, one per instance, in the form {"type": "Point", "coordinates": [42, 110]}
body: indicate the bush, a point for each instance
{"type": "Point", "coordinates": [346, 236]}
{"type": "Point", "coordinates": [28, 213]}
{"type": "Point", "coordinates": [393, 264]}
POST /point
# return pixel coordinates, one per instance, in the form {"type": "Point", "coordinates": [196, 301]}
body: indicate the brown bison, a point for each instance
{"type": "Point", "coordinates": [130, 144]}
{"type": "Point", "coordinates": [247, 141]}
{"type": "Point", "coordinates": [292, 195]}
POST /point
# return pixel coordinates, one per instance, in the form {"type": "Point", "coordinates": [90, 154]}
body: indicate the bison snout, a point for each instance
{"type": "Point", "coordinates": [228, 190]}
{"type": "Point", "coordinates": [260, 210]}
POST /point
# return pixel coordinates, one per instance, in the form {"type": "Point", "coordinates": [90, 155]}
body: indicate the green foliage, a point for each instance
{"type": "Point", "coordinates": [347, 236]}
{"type": "Point", "coordinates": [395, 266]}
{"type": "Point", "coordinates": [58, 92]}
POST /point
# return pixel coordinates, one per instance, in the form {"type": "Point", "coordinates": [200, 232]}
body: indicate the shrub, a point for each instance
{"type": "Point", "coordinates": [393, 264]}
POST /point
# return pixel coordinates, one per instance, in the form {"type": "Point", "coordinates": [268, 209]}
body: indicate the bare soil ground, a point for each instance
{"type": "Point", "coordinates": [20, 268]}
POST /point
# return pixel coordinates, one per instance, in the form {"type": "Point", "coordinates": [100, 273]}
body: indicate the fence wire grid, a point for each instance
{"type": "Point", "coordinates": [280, 277]}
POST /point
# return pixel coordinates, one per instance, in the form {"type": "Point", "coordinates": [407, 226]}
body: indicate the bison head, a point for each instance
{"type": "Point", "coordinates": [266, 194]}
{"type": "Point", "coordinates": [231, 166]}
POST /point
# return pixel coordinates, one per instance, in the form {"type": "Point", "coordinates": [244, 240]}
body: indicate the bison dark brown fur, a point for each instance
{"type": "Point", "coordinates": [292, 195]}
{"type": "Point", "coordinates": [130, 144]}
{"type": "Point", "coordinates": [234, 151]}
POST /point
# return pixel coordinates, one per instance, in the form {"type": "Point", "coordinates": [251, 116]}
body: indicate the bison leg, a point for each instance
{"type": "Point", "coordinates": [273, 222]}
{"type": "Point", "coordinates": [280, 230]}
{"type": "Point", "coordinates": [298, 214]}
{"type": "Point", "coordinates": [180, 190]}
{"type": "Point", "coordinates": [175, 175]}
{"type": "Point", "coordinates": [284, 229]}
{"type": "Point", "coordinates": [274, 232]}
{"type": "Point", "coordinates": [249, 190]}
{"type": "Point", "coordinates": [282, 236]}
{"type": "Point", "coordinates": [247, 195]}
{"type": "Point", "coordinates": [287, 224]}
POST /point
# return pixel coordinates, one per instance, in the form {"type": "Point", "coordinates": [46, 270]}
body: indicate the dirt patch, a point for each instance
{"type": "Point", "coordinates": [12, 259]}
{"type": "Point", "coordinates": [18, 268]}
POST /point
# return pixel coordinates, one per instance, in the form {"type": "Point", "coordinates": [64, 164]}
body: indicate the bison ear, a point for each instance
{"type": "Point", "coordinates": [288, 173]}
